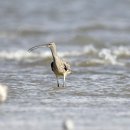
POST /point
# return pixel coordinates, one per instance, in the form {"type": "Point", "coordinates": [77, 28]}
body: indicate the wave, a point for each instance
{"type": "Point", "coordinates": [92, 54]}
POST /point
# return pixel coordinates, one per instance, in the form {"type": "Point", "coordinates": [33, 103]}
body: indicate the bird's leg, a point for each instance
{"type": "Point", "coordinates": [57, 81]}
{"type": "Point", "coordinates": [64, 81]}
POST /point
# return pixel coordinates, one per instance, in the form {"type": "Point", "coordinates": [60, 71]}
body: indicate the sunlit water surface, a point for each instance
{"type": "Point", "coordinates": [93, 36]}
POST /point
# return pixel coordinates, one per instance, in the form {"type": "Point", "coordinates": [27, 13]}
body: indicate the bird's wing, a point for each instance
{"type": "Point", "coordinates": [52, 66]}
{"type": "Point", "coordinates": [66, 66]}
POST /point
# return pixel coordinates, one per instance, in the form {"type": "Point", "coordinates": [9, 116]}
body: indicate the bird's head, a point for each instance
{"type": "Point", "coordinates": [50, 45]}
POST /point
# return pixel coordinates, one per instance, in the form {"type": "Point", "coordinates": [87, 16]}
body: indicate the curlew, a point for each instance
{"type": "Point", "coordinates": [58, 66]}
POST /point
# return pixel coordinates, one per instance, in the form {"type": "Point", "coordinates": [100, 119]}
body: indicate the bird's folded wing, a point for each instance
{"type": "Point", "coordinates": [66, 66]}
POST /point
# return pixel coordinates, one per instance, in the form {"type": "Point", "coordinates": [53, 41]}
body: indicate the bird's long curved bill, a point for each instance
{"type": "Point", "coordinates": [35, 47]}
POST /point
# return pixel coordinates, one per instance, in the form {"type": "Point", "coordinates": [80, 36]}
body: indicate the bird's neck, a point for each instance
{"type": "Point", "coordinates": [54, 53]}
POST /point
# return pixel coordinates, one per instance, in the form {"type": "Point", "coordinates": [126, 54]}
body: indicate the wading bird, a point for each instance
{"type": "Point", "coordinates": [58, 66]}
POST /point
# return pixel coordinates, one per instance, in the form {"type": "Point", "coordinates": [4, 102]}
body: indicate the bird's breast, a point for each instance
{"type": "Point", "coordinates": [58, 69]}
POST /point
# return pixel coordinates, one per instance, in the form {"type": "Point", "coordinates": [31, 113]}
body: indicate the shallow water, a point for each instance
{"type": "Point", "coordinates": [93, 36]}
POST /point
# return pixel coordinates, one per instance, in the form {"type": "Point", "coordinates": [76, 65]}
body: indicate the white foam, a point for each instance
{"type": "Point", "coordinates": [102, 56]}
{"type": "Point", "coordinates": [108, 56]}
{"type": "Point", "coordinates": [68, 124]}
{"type": "Point", "coordinates": [3, 92]}
{"type": "Point", "coordinates": [20, 55]}
{"type": "Point", "coordinates": [121, 51]}
{"type": "Point", "coordinates": [90, 49]}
